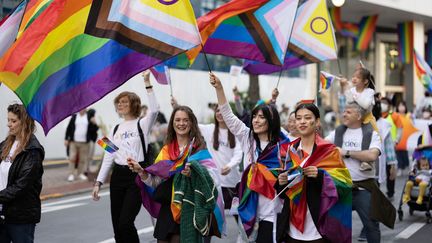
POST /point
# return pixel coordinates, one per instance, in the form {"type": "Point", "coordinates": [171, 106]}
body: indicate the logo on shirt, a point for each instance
{"type": "Point", "coordinates": [351, 144]}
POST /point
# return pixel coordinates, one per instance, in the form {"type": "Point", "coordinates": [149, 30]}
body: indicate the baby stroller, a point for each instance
{"type": "Point", "coordinates": [426, 206]}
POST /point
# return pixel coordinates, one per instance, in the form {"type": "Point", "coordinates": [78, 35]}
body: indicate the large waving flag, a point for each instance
{"type": "Point", "coordinates": [73, 60]}
{"type": "Point", "coordinates": [255, 30]}
{"type": "Point", "coordinates": [312, 40]}
{"type": "Point", "coordinates": [423, 71]}
{"type": "Point", "coordinates": [9, 27]}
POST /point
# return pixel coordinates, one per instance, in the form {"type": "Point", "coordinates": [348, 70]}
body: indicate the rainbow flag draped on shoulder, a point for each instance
{"type": "Point", "coordinates": [336, 196]}
{"type": "Point", "coordinates": [82, 50]}
{"type": "Point", "coordinates": [170, 163]}
{"type": "Point", "coordinates": [312, 40]}
{"type": "Point", "coordinates": [259, 178]}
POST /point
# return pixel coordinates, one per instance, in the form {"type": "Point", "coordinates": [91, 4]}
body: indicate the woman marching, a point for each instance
{"type": "Point", "coordinates": [261, 144]}
{"type": "Point", "coordinates": [20, 178]}
{"type": "Point", "coordinates": [178, 188]}
{"type": "Point", "coordinates": [316, 186]}
{"type": "Point", "coordinates": [131, 136]}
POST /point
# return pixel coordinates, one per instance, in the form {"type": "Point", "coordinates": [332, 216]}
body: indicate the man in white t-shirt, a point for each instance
{"type": "Point", "coordinates": [359, 142]}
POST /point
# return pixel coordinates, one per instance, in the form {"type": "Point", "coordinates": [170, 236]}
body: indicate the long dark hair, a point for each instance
{"type": "Point", "coordinates": [27, 129]}
{"type": "Point", "coordinates": [194, 129]}
{"type": "Point", "coordinates": [231, 138]}
{"type": "Point", "coordinates": [365, 74]}
{"type": "Point", "coordinates": [273, 120]}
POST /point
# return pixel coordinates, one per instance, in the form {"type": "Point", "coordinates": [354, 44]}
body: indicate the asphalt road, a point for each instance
{"type": "Point", "coordinates": [79, 219]}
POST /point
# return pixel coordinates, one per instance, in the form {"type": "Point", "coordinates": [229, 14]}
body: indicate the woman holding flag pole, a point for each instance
{"type": "Point", "coordinates": [263, 145]}
{"type": "Point", "coordinates": [129, 138]}
{"type": "Point", "coordinates": [316, 186]}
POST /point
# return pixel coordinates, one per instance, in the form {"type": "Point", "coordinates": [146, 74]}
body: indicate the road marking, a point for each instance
{"type": "Point", "coordinates": [61, 207]}
{"type": "Point", "coordinates": [140, 232]}
{"type": "Point", "coordinates": [408, 232]}
{"type": "Point", "coordinates": [103, 194]}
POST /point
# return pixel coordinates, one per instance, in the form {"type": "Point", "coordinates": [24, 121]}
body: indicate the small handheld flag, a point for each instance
{"type": "Point", "coordinates": [326, 80]}
{"type": "Point", "coordinates": [107, 145]}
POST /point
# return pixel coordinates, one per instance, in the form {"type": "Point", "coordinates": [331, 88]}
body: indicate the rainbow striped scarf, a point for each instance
{"type": "Point", "coordinates": [259, 178]}
{"type": "Point", "coordinates": [170, 162]}
{"type": "Point", "coordinates": [334, 222]}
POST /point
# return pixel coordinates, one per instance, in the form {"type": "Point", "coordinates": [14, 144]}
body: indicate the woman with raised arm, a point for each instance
{"type": "Point", "coordinates": [262, 145]}
{"type": "Point", "coordinates": [131, 136]}
{"type": "Point", "coordinates": [316, 186]}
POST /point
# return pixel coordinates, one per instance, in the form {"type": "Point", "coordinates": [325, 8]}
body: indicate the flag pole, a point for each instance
{"type": "Point", "coordinates": [280, 73]}
{"type": "Point", "coordinates": [205, 57]}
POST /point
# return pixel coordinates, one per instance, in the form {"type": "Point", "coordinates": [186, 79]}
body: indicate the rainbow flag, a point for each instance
{"type": "Point", "coordinates": [326, 80]}
{"type": "Point", "coordinates": [335, 205]}
{"type": "Point", "coordinates": [9, 27]}
{"type": "Point", "coordinates": [107, 145]}
{"type": "Point", "coordinates": [366, 29]}
{"type": "Point", "coordinates": [259, 178]}
{"type": "Point", "coordinates": [345, 29]}
{"type": "Point", "coordinates": [405, 33]}
{"type": "Point", "coordinates": [248, 29]}
{"type": "Point", "coordinates": [423, 71]}
{"type": "Point", "coordinates": [79, 53]}
{"type": "Point", "coordinates": [163, 167]}
{"type": "Point", "coordinates": [161, 74]}
{"type": "Point", "coordinates": [428, 54]}
{"type": "Point", "coordinates": [312, 40]}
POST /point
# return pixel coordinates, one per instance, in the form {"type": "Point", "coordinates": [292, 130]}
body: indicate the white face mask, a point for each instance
{"type": "Point", "coordinates": [384, 107]}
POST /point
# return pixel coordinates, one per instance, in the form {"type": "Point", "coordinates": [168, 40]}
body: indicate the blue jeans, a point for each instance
{"type": "Point", "coordinates": [17, 233]}
{"type": "Point", "coordinates": [361, 203]}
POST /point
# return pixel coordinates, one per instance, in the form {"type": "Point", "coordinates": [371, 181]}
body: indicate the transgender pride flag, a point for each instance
{"type": "Point", "coordinates": [9, 27]}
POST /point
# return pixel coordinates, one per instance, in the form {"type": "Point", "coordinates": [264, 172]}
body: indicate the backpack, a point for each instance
{"type": "Point", "coordinates": [149, 153]}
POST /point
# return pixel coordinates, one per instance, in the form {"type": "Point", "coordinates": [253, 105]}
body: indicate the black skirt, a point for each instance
{"type": "Point", "coordinates": [165, 224]}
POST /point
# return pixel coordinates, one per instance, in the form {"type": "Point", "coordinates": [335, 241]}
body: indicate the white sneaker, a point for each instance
{"type": "Point", "coordinates": [82, 177]}
{"type": "Point", "coordinates": [71, 177]}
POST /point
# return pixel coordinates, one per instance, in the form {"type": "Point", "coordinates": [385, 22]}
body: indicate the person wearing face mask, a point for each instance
{"type": "Point", "coordinates": [305, 216]}
{"type": "Point", "coordinates": [131, 136]}
{"type": "Point", "coordinates": [263, 145]}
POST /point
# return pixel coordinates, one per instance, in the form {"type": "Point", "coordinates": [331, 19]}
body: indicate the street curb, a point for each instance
{"type": "Point", "coordinates": [71, 193]}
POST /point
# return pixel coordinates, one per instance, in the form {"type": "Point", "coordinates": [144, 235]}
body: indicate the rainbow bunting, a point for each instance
{"type": "Point", "coordinates": [366, 29]}
{"type": "Point", "coordinates": [9, 27]}
{"type": "Point", "coordinates": [312, 40]}
{"type": "Point", "coordinates": [79, 53]}
{"type": "Point", "coordinates": [107, 145]}
{"type": "Point", "coordinates": [423, 71]}
{"type": "Point", "coordinates": [405, 33]}
{"type": "Point", "coordinates": [326, 80]}
{"type": "Point", "coordinates": [428, 54]}
{"type": "Point", "coordinates": [161, 74]}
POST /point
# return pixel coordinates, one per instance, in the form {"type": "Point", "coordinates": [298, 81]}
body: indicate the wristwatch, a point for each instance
{"type": "Point", "coordinates": [347, 155]}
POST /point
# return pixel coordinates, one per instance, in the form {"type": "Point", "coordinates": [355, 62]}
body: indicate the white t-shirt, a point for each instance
{"type": "Point", "coordinates": [310, 232]}
{"type": "Point", "coordinates": [365, 99]}
{"type": "Point", "coordinates": [5, 166]}
{"type": "Point", "coordinates": [352, 141]}
{"type": "Point", "coordinates": [224, 156]}
{"type": "Point", "coordinates": [81, 126]}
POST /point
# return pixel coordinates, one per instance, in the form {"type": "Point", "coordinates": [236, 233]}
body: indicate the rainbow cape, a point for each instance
{"type": "Point", "coordinates": [423, 71]}
{"type": "Point", "coordinates": [312, 40]}
{"type": "Point", "coordinates": [82, 50]}
{"type": "Point", "coordinates": [259, 178]}
{"type": "Point", "coordinates": [334, 222]}
{"type": "Point", "coordinates": [169, 163]}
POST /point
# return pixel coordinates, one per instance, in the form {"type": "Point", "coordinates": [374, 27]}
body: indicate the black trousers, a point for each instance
{"type": "Point", "coordinates": [390, 183]}
{"type": "Point", "coordinates": [125, 204]}
{"type": "Point", "coordinates": [265, 232]}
